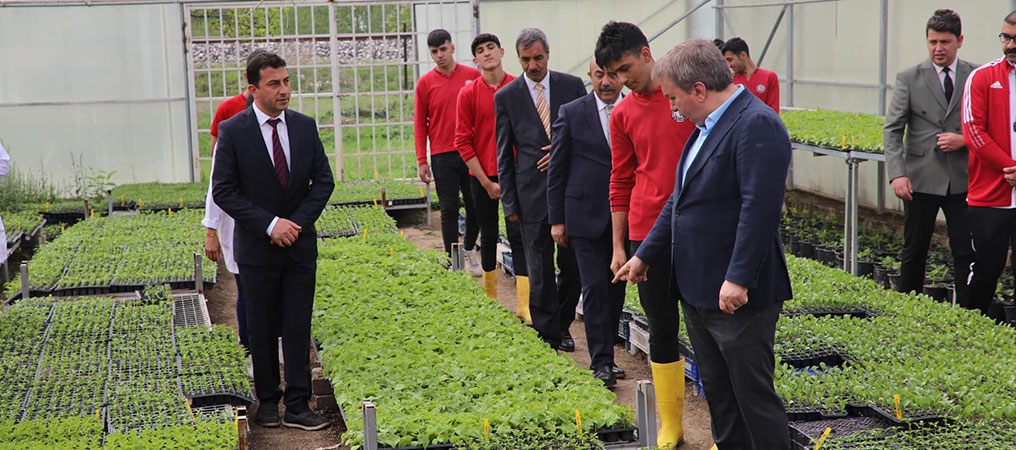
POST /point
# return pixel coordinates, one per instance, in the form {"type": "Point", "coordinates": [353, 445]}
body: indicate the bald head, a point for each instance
{"type": "Point", "coordinates": [607, 88]}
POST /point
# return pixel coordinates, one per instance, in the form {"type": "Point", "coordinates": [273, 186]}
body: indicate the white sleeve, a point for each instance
{"type": "Point", "coordinates": [213, 214]}
{"type": "Point", "coordinates": [5, 161]}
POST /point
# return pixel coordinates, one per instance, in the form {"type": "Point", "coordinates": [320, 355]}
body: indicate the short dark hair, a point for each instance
{"type": "Point", "coordinates": [945, 21]}
{"type": "Point", "coordinates": [616, 39]}
{"type": "Point", "coordinates": [718, 43]}
{"type": "Point", "coordinates": [258, 61]}
{"type": "Point", "coordinates": [483, 39]}
{"type": "Point", "coordinates": [735, 45]}
{"type": "Point", "coordinates": [438, 37]}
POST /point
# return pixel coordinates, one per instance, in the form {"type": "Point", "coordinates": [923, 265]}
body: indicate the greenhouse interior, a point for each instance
{"type": "Point", "coordinates": [350, 224]}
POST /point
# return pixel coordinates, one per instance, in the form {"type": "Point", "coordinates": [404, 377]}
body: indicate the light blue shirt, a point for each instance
{"type": "Point", "coordinates": [704, 130]}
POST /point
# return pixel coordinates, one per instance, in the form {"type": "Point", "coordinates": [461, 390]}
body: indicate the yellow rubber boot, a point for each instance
{"type": "Point", "coordinates": [490, 283]}
{"type": "Point", "coordinates": [522, 293]}
{"type": "Point", "coordinates": [669, 381]}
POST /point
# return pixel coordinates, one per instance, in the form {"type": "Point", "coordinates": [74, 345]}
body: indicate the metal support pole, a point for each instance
{"type": "Point", "coordinates": [645, 405]}
{"type": "Point", "coordinates": [847, 210]}
{"type": "Point", "coordinates": [199, 279]}
{"type": "Point", "coordinates": [853, 215]}
{"type": "Point", "coordinates": [109, 202]}
{"type": "Point", "coordinates": [428, 205]}
{"type": "Point", "coordinates": [719, 19]}
{"type": "Point", "coordinates": [458, 258]}
{"type": "Point", "coordinates": [790, 55]}
{"type": "Point", "coordinates": [24, 281]}
{"type": "Point", "coordinates": [369, 426]}
{"type": "Point", "coordinates": [241, 428]}
{"type": "Point", "coordinates": [333, 47]}
{"type": "Point", "coordinates": [883, 56]}
{"type": "Point", "coordinates": [880, 193]}
{"type": "Point", "coordinates": [772, 33]}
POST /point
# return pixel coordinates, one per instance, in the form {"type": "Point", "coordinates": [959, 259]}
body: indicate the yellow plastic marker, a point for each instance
{"type": "Point", "coordinates": [189, 409]}
{"type": "Point", "coordinates": [843, 145]}
{"type": "Point", "coordinates": [851, 141]}
{"type": "Point", "coordinates": [91, 213]}
{"type": "Point", "coordinates": [63, 228]}
{"type": "Point", "coordinates": [899, 413]}
{"type": "Point", "coordinates": [375, 202]}
{"type": "Point", "coordinates": [402, 233]}
{"type": "Point", "coordinates": [171, 211]}
{"type": "Point", "coordinates": [181, 202]}
{"type": "Point", "coordinates": [486, 429]}
{"type": "Point", "coordinates": [375, 175]}
{"type": "Point", "coordinates": [47, 206]}
{"type": "Point", "coordinates": [141, 203]}
{"type": "Point", "coordinates": [421, 192]}
{"type": "Point", "coordinates": [822, 439]}
{"type": "Point", "coordinates": [392, 250]}
{"type": "Point", "coordinates": [365, 236]}
{"type": "Point", "coordinates": [578, 420]}
{"type": "Point", "coordinates": [97, 416]}
{"type": "Point", "coordinates": [121, 201]}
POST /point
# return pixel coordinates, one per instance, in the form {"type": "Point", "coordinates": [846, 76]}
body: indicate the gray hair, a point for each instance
{"type": "Point", "coordinates": [530, 36]}
{"type": "Point", "coordinates": [692, 62]}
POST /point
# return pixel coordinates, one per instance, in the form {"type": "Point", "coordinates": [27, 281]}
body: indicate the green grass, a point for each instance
{"type": "Point", "coordinates": [290, 20]}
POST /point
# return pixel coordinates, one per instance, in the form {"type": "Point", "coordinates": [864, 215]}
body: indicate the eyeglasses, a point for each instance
{"type": "Point", "coordinates": [1005, 38]}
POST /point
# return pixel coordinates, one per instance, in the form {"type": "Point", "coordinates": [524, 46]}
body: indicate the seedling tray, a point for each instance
{"type": "Point", "coordinates": [429, 447]}
{"type": "Point", "coordinates": [804, 433]}
{"type": "Point", "coordinates": [66, 217]}
{"type": "Point", "coordinates": [616, 435]}
{"type": "Point", "coordinates": [229, 398]}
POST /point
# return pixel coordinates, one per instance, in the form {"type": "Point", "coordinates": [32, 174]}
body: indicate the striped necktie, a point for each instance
{"type": "Point", "coordinates": [278, 156]}
{"type": "Point", "coordinates": [543, 108]}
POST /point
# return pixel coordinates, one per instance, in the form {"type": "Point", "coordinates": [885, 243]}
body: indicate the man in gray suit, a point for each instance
{"type": "Point", "coordinates": [928, 169]}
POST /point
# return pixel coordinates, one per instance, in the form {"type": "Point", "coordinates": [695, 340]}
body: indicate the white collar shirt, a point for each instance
{"type": "Point", "coordinates": [532, 87]}
{"type": "Point", "coordinates": [601, 109]}
{"type": "Point", "coordinates": [266, 133]}
{"type": "Point", "coordinates": [941, 73]}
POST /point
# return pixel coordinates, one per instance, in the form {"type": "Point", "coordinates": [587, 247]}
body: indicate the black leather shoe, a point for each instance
{"type": "Point", "coordinates": [618, 373]}
{"type": "Point", "coordinates": [306, 420]}
{"type": "Point", "coordinates": [606, 375]}
{"type": "Point", "coordinates": [268, 415]}
{"type": "Point", "coordinates": [567, 343]}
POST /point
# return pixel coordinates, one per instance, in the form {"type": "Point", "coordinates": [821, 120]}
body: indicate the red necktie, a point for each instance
{"type": "Point", "coordinates": [281, 169]}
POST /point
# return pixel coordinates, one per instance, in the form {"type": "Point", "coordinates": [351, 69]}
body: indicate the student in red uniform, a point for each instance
{"type": "Point", "coordinates": [988, 132]}
{"type": "Point", "coordinates": [763, 83]}
{"type": "Point", "coordinates": [227, 109]}
{"type": "Point", "coordinates": [646, 145]}
{"type": "Point", "coordinates": [434, 119]}
{"type": "Point", "coordinates": [474, 139]}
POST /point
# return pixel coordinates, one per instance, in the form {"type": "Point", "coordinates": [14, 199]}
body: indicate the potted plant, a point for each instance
{"type": "Point", "coordinates": [936, 285]}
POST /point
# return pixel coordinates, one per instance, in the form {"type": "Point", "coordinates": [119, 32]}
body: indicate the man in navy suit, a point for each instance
{"type": "Point", "coordinates": [578, 207]}
{"type": "Point", "coordinates": [719, 228]}
{"type": "Point", "coordinates": [523, 113]}
{"type": "Point", "coordinates": [272, 176]}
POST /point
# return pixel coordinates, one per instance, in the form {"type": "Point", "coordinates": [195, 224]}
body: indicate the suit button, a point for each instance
{"type": "Point", "coordinates": [677, 213]}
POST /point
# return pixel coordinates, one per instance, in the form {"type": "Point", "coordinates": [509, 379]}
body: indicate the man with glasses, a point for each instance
{"type": "Point", "coordinates": [988, 129]}
{"type": "Point", "coordinates": [928, 169]}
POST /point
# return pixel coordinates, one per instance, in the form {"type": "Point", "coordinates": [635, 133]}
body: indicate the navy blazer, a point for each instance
{"type": "Point", "coordinates": [520, 141]}
{"type": "Point", "coordinates": [244, 185]}
{"type": "Point", "coordinates": [578, 179]}
{"type": "Point", "coordinates": [722, 224]}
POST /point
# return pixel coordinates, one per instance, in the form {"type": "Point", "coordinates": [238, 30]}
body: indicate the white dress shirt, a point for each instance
{"type": "Point", "coordinates": [601, 109]}
{"type": "Point", "coordinates": [952, 74]}
{"type": "Point", "coordinates": [266, 133]}
{"type": "Point", "coordinates": [5, 166]}
{"type": "Point", "coordinates": [532, 88]}
{"type": "Point", "coordinates": [217, 219]}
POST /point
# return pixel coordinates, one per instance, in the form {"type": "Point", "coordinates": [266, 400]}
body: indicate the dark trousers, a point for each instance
{"type": "Point", "coordinates": [919, 224]}
{"type": "Point", "coordinates": [451, 176]}
{"type": "Point", "coordinates": [602, 300]}
{"type": "Point", "coordinates": [551, 304]}
{"type": "Point", "coordinates": [736, 359]}
{"type": "Point", "coordinates": [279, 297]}
{"type": "Point", "coordinates": [514, 235]}
{"type": "Point", "coordinates": [241, 314]}
{"type": "Point", "coordinates": [992, 229]}
{"type": "Point", "coordinates": [662, 311]}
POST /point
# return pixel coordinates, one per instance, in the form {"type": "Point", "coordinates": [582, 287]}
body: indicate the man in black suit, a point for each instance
{"type": "Point", "coordinates": [272, 176]}
{"type": "Point", "coordinates": [719, 228]}
{"type": "Point", "coordinates": [579, 211]}
{"type": "Point", "coordinates": [523, 112]}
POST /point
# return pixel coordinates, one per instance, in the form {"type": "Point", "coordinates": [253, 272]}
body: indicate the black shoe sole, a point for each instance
{"type": "Point", "coordinates": [609, 383]}
{"type": "Point", "coordinates": [305, 427]}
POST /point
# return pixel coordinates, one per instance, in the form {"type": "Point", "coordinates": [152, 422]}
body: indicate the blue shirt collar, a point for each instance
{"type": "Point", "coordinates": [716, 114]}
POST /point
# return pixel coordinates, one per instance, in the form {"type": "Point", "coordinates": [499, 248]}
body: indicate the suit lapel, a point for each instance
{"type": "Point", "coordinates": [556, 91]}
{"type": "Point", "coordinates": [593, 118]}
{"type": "Point", "coordinates": [719, 131]}
{"type": "Point", "coordinates": [930, 77]}
{"type": "Point", "coordinates": [527, 100]}
{"type": "Point", "coordinates": [263, 153]}
{"type": "Point", "coordinates": [295, 155]}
